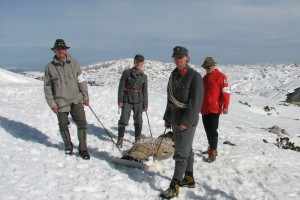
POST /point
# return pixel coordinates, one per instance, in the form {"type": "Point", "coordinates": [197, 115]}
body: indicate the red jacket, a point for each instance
{"type": "Point", "coordinates": [216, 93]}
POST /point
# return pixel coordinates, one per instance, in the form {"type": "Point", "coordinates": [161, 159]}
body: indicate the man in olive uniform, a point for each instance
{"type": "Point", "coordinates": [185, 94]}
{"type": "Point", "coordinates": [66, 92]}
{"type": "Point", "coordinates": [132, 95]}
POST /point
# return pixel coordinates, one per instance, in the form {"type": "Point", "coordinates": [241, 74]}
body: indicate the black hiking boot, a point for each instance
{"type": "Point", "coordinates": [120, 142]}
{"type": "Point", "coordinates": [65, 134]}
{"type": "Point", "coordinates": [172, 191]}
{"type": "Point", "coordinates": [69, 151]}
{"type": "Point", "coordinates": [84, 155]}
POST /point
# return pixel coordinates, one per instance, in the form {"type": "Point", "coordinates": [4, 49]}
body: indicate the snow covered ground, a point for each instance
{"type": "Point", "coordinates": [33, 164]}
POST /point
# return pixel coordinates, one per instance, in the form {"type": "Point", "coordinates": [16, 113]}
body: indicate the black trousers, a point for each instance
{"type": "Point", "coordinates": [211, 124]}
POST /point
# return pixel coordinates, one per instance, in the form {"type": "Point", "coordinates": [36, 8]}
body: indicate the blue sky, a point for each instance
{"type": "Point", "coordinates": [231, 31]}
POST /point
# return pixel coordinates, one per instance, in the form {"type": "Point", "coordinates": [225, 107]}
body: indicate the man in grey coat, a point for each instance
{"type": "Point", "coordinates": [66, 92]}
{"type": "Point", "coordinates": [132, 95]}
{"type": "Point", "coordinates": [185, 94]}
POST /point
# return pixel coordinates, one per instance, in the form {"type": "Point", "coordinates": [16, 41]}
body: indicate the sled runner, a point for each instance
{"type": "Point", "coordinates": [144, 165]}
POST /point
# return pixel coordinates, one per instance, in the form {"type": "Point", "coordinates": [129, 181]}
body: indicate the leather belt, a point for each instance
{"type": "Point", "coordinates": [130, 90]}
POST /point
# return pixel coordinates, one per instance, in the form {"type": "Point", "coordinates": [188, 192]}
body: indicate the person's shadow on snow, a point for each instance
{"type": "Point", "coordinates": [142, 176]}
{"type": "Point", "coordinates": [210, 193]}
{"type": "Point", "coordinates": [26, 132]}
{"type": "Point", "coordinates": [105, 134]}
{"type": "Point", "coordinates": [101, 133]}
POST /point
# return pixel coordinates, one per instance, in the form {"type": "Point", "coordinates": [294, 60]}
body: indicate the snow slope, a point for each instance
{"type": "Point", "coordinates": [33, 164]}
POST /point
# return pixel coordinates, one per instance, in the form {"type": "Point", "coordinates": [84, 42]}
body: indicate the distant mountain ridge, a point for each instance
{"type": "Point", "coordinates": [285, 77]}
{"type": "Point", "coordinates": [275, 80]}
{"type": "Point", "coordinates": [109, 73]}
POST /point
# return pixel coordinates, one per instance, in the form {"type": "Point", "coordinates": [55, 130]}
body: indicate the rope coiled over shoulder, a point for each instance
{"type": "Point", "coordinates": [172, 97]}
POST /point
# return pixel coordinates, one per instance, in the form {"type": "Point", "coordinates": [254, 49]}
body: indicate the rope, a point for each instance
{"type": "Point", "coordinates": [172, 97]}
{"type": "Point", "coordinates": [149, 124]}
{"type": "Point", "coordinates": [159, 144]}
{"type": "Point", "coordinates": [105, 130]}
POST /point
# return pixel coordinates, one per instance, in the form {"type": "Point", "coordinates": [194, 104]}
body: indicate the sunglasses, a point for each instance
{"type": "Point", "coordinates": [60, 48]}
{"type": "Point", "coordinates": [60, 44]}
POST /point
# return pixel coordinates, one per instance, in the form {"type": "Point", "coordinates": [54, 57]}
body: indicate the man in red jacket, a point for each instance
{"type": "Point", "coordinates": [215, 102]}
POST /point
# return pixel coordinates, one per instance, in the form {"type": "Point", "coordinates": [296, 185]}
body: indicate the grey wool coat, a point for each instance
{"type": "Point", "coordinates": [130, 80]}
{"type": "Point", "coordinates": [187, 89]}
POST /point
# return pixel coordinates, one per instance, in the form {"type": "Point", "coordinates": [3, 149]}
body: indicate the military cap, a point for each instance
{"type": "Point", "coordinates": [179, 51]}
{"type": "Point", "coordinates": [139, 57]}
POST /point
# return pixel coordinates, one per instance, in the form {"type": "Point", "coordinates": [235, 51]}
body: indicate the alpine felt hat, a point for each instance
{"type": "Point", "coordinates": [60, 43]}
{"type": "Point", "coordinates": [208, 62]}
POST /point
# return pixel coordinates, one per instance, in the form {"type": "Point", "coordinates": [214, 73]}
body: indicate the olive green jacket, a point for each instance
{"type": "Point", "coordinates": [64, 84]}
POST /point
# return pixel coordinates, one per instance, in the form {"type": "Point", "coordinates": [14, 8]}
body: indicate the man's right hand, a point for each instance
{"type": "Point", "coordinates": [168, 124]}
{"type": "Point", "coordinates": [55, 110]}
{"type": "Point", "coordinates": [120, 105]}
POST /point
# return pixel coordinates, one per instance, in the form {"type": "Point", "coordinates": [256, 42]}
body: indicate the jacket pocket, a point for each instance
{"type": "Point", "coordinates": [139, 84]}
{"type": "Point", "coordinates": [182, 93]}
{"type": "Point", "coordinates": [73, 84]}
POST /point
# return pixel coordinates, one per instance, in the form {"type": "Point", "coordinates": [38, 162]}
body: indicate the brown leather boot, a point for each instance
{"type": "Point", "coordinates": [187, 181]}
{"type": "Point", "coordinates": [172, 191]}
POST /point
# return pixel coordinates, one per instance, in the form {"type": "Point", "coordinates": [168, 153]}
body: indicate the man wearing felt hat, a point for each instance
{"type": "Point", "coordinates": [132, 95]}
{"type": "Point", "coordinates": [184, 99]}
{"type": "Point", "coordinates": [66, 92]}
{"type": "Point", "coordinates": [215, 102]}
